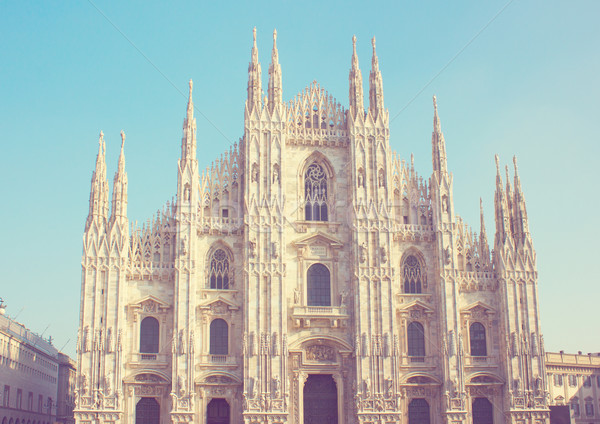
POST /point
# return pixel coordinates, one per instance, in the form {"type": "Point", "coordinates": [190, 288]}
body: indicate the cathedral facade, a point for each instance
{"type": "Point", "coordinates": [310, 275]}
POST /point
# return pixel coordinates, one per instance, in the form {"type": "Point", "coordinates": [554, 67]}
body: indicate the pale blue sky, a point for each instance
{"type": "Point", "coordinates": [528, 85]}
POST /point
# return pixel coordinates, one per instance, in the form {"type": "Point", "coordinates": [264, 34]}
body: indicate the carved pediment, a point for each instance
{"type": "Point", "coordinates": [416, 309]}
{"type": "Point", "coordinates": [478, 310]}
{"type": "Point", "coordinates": [149, 305]}
{"type": "Point", "coordinates": [317, 244]}
{"type": "Point", "coordinates": [146, 378]}
{"type": "Point", "coordinates": [485, 380]}
{"type": "Point", "coordinates": [218, 306]}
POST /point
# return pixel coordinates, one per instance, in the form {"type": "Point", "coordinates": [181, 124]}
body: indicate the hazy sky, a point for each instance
{"type": "Point", "coordinates": [527, 85]}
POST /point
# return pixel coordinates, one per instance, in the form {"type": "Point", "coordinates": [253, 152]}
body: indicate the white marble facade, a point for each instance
{"type": "Point", "coordinates": [309, 274]}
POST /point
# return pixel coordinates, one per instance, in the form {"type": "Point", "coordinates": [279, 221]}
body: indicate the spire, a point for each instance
{"type": "Point", "coordinates": [99, 190]}
{"type": "Point", "coordinates": [484, 252]}
{"type": "Point", "coordinates": [521, 225]}
{"type": "Point", "coordinates": [275, 86]}
{"type": "Point", "coordinates": [501, 206]}
{"type": "Point", "coordinates": [356, 88]}
{"type": "Point", "coordinates": [119, 199]}
{"type": "Point", "coordinates": [375, 86]}
{"type": "Point", "coordinates": [188, 142]}
{"type": "Point", "coordinates": [254, 76]}
{"type": "Point", "coordinates": [438, 145]}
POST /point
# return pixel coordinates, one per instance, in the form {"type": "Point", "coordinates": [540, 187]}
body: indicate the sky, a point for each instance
{"type": "Point", "coordinates": [516, 77]}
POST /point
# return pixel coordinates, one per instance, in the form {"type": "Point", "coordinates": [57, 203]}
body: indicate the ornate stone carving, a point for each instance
{"type": "Point", "coordinates": [320, 353]}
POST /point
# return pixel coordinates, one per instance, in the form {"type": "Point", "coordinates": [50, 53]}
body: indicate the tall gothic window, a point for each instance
{"type": "Point", "coordinates": [411, 274]}
{"type": "Point", "coordinates": [220, 273]}
{"type": "Point", "coordinates": [219, 337]}
{"type": "Point", "coordinates": [477, 338]}
{"type": "Point", "coordinates": [315, 193]}
{"type": "Point", "coordinates": [149, 331]}
{"type": "Point", "coordinates": [415, 336]}
{"type": "Point", "coordinates": [418, 412]}
{"type": "Point", "coordinates": [483, 412]}
{"type": "Point", "coordinates": [318, 286]}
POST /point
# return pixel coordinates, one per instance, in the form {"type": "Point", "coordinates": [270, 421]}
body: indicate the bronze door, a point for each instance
{"type": "Point", "coordinates": [320, 400]}
{"type": "Point", "coordinates": [147, 411]}
{"type": "Point", "coordinates": [217, 412]}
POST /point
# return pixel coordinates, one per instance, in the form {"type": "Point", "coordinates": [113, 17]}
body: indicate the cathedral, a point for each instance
{"type": "Point", "coordinates": [309, 276]}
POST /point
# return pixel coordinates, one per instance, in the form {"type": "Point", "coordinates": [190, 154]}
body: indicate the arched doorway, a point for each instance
{"type": "Point", "coordinates": [418, 412]}
{"type": "Point", "coordinates": [147, 411]}
{"type": "Point", "coordinates": [320, 400]}
{"type": "Point", "coordinates": [483, 412]}
{"type": "Point", "coordinates": [217, 412]}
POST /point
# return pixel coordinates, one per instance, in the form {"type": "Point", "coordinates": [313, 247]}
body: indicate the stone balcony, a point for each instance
{"type": "Point", "coordinates": [149, 360]}
{"type": "Point", "coordinates": [320, 316]}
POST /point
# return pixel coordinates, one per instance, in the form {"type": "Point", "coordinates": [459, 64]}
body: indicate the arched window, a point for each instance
{"type": "Point", "coordinates": [416, 339]}
{"type": "Point", "coordinates": [318, 286]}
{"type": "Point", "coordinates": [411, 274]}
{"type": "Point", "coordinates": [418, 412]}
{"type": "Point", "coordinates": [149, 331]}
{"type": "Point", "coordinates": [147, 411]}
{"type": "Point", "coordinates": [220, 275]}
{"type": "Point", "coordinates": [219, 337]}
{"type": "Point", "coordinates": [477, 337]}
{"type": "Point", "coordinates": [482, 411]}
{"type": "Point", "coordinates": [315, 193]}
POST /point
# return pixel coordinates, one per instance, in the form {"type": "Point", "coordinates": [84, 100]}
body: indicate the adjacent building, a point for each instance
{"type": "Point", "coordinates": [310, 275]}
{"type": "Point", "coordinates": [30, 380]}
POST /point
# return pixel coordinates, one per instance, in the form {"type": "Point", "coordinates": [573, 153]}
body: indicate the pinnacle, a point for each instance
{"type": "Point", "coordinates": [122, 139]}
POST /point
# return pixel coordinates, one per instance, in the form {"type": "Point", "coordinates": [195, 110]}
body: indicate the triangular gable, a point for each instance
{"type": "Point", "coordinates": [149, 304]}
{"type": "Point", "coordinates": [415, 308]}
{"type": "Point", "coordinates": [318, 238]}
{"type": "Point", "coordinates": [478, 307]}
{"type": "Point", "coordinates": [218, 306]}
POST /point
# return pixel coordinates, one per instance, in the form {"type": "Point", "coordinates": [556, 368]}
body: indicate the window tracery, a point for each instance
{"type": "Point", "coordinates": [315, 193]}
{"type": "Point", "coordinates": [220, 273]}
{"type": "Point", "coordinates": [412, 276]}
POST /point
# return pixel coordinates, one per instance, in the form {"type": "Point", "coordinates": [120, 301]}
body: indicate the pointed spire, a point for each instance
{"type": "Point", "coordinates": [119, 199]}
{"type": "Point", "coordinates": [356, 89]}
{"type": "Point", "coordinates": [188, 142]}
{"type": "Point", "coordinates": [375, 86]}
{"type": "Point", "coordinates": [521, 224]}
{"type": "Point", "coordinates": [502, 211]}
{"type": "Point", "coordinates": [275, 85]}
{"type": "Point", "coordinates": [483, 241]}
{"type": "Point", "coordinates": [99, 188]}
{"type": "Point", "coordinates": [438, 144]}
{"type": "Point", "coordinates": [254, 76]}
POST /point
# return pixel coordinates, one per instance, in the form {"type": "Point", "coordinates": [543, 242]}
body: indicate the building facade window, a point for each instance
{"type": "Point", "coordinates": [30, 402]}
{"type": "Point", "coordinates": [418, 412]}
{"type": "Point", "coordinates": [411, 274]}
{"type": "Point", "coordinates": [572, 380]}
{"type": "Point", "coordinates": [589, 409]}
{"type": "Point", "coordinates": [149, 335]}
{"type": "Point", "coordinates": [220, 275]}
{"type": "Point", "coordinates": [587, 381]}
{"type": "Point", "coordinates": [477, 339]}
{"type": "Point", "coordinates": [219, 337]}
{"type": "Point", "coordinates": [558, 380]}
{"type": "Point", "coordinates": [318, 285]}
{"type": "Point", "coordinates": [415, 337]}
{"type": "Point", "coordinates": [6, 397]}
{"type": "Point", "coordinates": [40, 403]}
{"type": "Point", "coordinates": [315, 193]}
{"type": "Point", "coordinates": [575, 406]}
{"type": "Point", "coordinates": [19, 404]}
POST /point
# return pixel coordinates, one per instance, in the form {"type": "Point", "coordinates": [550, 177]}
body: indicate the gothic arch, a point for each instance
{"type": "Point", "coordinates": [493, 378]}
{"type": "Point", "coordinates": [220, 272]}
{"type": "Point", "coordinates": [416, 253]}
{"type": "Point", "coordinates": [319, 158]}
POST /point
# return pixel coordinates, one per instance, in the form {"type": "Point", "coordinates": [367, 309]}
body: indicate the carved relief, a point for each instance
{"type": "Point", "coordinates": [320, 353]}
